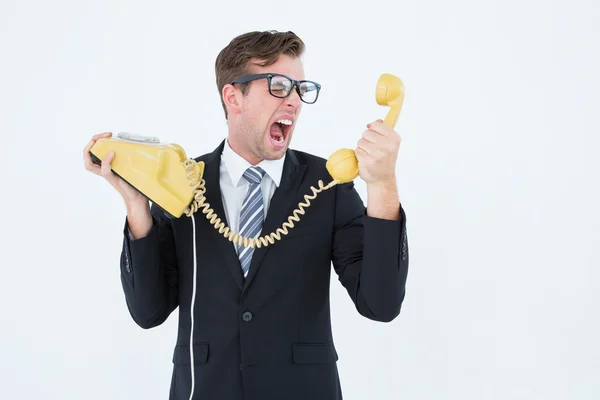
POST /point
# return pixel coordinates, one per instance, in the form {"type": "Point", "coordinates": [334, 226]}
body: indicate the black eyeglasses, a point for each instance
{"type": "Point", "coordinates": [281, 86]}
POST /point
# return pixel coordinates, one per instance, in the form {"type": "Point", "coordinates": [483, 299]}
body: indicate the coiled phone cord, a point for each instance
{"type": "Point", "coordinates": [199, 202]}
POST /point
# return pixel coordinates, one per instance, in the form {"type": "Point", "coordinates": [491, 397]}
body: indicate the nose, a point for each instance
{"type": "Point", "coordinates": [293, 100]}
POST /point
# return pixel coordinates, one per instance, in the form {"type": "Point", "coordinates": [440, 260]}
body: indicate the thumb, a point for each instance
{"type": "Point", "coordinates": [377, 120]}
{"type": "Point", "coordinates": [105, 170]}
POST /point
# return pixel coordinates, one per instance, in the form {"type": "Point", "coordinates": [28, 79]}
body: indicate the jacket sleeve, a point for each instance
{"type": "Point", "coordinates": [149, 272]}
{"type": "Point", "coordinates": [370, 256]}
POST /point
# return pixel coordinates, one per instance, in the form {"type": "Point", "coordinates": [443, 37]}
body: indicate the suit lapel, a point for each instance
{"type": "Point", "coordinates": [281, 206]}
{"type": "Point", "coordinates": [213, 198]}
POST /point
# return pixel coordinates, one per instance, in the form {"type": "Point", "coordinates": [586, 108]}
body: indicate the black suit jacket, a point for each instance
{"type": "Point", "coordinates": [267, 336]}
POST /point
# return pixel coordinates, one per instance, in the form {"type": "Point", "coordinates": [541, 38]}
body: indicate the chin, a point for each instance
{"type": "Point", "coordinates": [274, 150]}
{"type": "Point", "coordinates": [270, 154]}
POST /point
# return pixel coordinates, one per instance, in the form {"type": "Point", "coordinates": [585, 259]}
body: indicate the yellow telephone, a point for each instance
{"type": "Point", "coordinates": [168, 178]}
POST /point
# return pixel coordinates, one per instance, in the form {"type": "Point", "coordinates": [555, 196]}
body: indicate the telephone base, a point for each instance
{"type": "Point", "coordinates": [155, 170]}
{"type": "Point", "coordinates": [97, 161]}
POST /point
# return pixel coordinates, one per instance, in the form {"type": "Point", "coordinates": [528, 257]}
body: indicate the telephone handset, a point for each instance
{"type": "Point", "coordinates": [168, 178]}
{"type": "Point", "coordinates": [342, 165]}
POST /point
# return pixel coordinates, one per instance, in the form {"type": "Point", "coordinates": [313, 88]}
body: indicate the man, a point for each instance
{"type": "Point", "coordinates": [259, 319]}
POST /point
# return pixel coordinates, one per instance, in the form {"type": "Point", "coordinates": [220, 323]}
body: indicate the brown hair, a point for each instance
{"type": "Point", "coordinates": [234, 59]}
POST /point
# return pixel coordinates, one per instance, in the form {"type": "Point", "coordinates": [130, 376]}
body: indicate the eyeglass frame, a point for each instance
{"type": "Point", "coordinates": [295, 84]}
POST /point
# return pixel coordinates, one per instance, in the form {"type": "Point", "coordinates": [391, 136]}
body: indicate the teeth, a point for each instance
{"type": "Point", "coordinates": [284, 121]}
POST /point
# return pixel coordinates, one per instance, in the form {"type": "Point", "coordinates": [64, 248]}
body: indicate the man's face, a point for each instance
{"type": "Point", "coordinates": [255, 132]}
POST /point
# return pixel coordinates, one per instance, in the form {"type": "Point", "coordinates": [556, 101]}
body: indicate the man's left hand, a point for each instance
{"type": "Point", "coordinates": [377, 153]}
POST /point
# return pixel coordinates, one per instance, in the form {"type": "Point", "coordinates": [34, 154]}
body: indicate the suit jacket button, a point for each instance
{"type": "Point", "coordinates": [247, 316]}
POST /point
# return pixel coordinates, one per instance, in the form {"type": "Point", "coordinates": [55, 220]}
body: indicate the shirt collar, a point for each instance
{"type": "Point", "coordinates": [237, 165]}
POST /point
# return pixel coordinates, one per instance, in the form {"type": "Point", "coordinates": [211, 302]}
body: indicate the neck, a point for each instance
{"type": "Point", "coordinates": [244, 153]}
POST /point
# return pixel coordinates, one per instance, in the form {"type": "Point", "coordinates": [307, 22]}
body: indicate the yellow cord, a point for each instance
{"type": "Point", "coordinates": [200, 202]}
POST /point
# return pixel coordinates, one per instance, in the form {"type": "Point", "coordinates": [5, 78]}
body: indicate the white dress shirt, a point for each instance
{"type": "Point", "coordinates": [234, 186]}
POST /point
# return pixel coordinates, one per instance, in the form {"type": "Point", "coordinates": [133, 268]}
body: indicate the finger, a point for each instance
{"type": "Point", "coordinates": [380, 128]}
{"type": "Point", "coordinates": [93, 168]}
{"type": "Point", "coordinates": [370, 136]}
{"type": "Point", "coordinates": [360, 153]}
{"type": "Point", "coordinates": [87, 159]}
{"type": "Point", "coordinates": [382, 143]}
{"type": "Point", "coordinates": [86, 151]}
{"type": "Point", "coordinates": [105, 169]}
{"type": "Point", "coordinates": [90, 166]}
{"type": "Point", "coordinates": [374, 151]}
{"type": "Point", "coordinates": [102, 135]}
{"type": "Point", "coordinates": [87, 148]}
{"type": "Point", "coordinates": [366, 146]}
{"type": "Point", "coordinates": [377, 121]}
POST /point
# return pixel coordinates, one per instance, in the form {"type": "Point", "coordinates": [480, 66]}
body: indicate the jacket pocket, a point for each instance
{"type": "Point", "coordinates": [314, 353]}
{"type": "Point", "coordinates": [182, 356]}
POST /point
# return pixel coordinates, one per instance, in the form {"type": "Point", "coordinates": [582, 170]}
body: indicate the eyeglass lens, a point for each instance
{"type": "Point", "coordinates": [281, 86]}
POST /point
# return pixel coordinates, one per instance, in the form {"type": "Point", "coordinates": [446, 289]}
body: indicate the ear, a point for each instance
{"type": "Point", "coordinates": [232, 98]}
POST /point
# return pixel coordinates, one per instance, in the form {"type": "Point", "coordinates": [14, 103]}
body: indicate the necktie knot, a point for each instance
{"type": "Point", "coordinates": [254, 174]}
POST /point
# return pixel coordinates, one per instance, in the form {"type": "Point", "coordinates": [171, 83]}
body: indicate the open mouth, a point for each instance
{"type": "Point", "coordinates": [279, 130]}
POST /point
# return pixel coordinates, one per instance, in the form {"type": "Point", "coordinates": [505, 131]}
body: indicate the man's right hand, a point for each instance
{"type": "Point", "coordinates": [139, 218]}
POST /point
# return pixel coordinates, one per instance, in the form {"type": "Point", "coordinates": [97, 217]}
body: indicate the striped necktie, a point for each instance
{"type": "Point", "coordinates": [251, 215]}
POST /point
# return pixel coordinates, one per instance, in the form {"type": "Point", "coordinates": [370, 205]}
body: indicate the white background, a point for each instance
{"type": "Point", "coordinates": [498, 172]}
